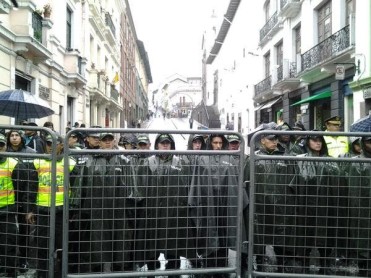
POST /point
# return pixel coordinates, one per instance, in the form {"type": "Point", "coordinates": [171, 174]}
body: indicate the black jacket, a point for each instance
{"type": "Point", "coordinates": [213, 200]}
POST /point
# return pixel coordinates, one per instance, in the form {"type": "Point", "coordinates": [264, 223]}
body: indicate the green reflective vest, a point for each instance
{"type": "Point", "coordinates": [7, 196]}
{"type": "Point", "coordinates": [44, 169]}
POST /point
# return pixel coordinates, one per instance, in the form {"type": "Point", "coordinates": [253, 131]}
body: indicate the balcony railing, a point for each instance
{"type": "Point", "coordinates": [328, 48]}
{"type": "Point", "coordinates": [280, 73]}
{"type": "Point", "coordinates": [293, 70]}
{"type": "Point", "coordinates": [268, 26]}
{"type": "Point", "coordinates": [37, 26]}
{"type": "Point", "coordinates": [110, 24]}
{"type": "Point", "coordinates": [263, 86]}
{"type": "Point", "coordinates": [283, 3]}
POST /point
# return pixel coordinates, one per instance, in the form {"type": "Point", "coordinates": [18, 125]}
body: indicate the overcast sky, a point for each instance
{"type": "Point", "coordinates": [171, 31]}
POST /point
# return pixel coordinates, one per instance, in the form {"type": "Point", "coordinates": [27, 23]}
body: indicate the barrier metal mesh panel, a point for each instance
{"type": "Point", "coordinates": [28, 214]}
{"type": "Point", "coordinates": [311, 215]}
{"type": "Point", "coordinates": [132, 211]}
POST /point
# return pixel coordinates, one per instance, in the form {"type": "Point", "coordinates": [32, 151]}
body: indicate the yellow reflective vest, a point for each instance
{"type": "Point", "coordinates": [336, 145]}
{"type": "Point", "coordinates": [7, 196]}
{"type": "Point", "coordinates": [44, 169]}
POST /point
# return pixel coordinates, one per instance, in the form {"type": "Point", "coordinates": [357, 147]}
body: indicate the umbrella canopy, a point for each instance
{"type": "Point", "coordinates": [21, 104]}
{"type": "Point", "coordinates": [361, 125]}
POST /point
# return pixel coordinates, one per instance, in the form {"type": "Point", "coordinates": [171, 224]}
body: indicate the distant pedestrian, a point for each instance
{"type": "Point", "coordinates": [190, 123]}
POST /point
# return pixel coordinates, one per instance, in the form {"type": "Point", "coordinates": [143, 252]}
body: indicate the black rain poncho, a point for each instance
{"type": "Point", "coordinates": [214, 201]}
{"type": "Point", "coordinates": [274, 204]}
{"type": "Point", "coordinates": [359, 183]}
{"type": "Point", "coordinates": [163, 224]}
{"type": "Point", "coordinates": [320, 204]}
{"type": "Point", "coordinates": [108, 197]}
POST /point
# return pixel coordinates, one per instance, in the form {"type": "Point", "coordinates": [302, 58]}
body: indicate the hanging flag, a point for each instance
{"type": "Point", "coordinates": [116, 78]}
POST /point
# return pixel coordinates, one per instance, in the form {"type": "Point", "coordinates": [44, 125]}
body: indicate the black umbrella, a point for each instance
{"type": "Point", "coordinates": [21, 104]}
{"type": "Point", "coordinates": [361, 125]}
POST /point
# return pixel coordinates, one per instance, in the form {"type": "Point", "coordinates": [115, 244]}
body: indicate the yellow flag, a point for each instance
{"type": "Point", "coordinates": [116, 78]}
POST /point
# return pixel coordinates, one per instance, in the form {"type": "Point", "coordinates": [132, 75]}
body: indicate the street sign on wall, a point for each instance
{"type": "Point", "coordinates": [340, 72]}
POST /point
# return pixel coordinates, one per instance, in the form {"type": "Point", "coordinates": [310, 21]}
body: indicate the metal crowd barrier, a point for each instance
{"type": "Point", "coordinates": [27, 229]}
{"type": "Point", "coordinates": [124, 216]}
{"type": "Point", "coordinates": [131, 214]}
{"type": "Point", "coordinates": [309, 216]}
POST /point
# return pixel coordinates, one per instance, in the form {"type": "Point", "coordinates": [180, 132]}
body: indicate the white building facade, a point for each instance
{"type": "Point", "coordinates": [286, 69]}
{"type": "Point", "coordinates": [230, 66]}
{"type": "Point", "coordinates": [70, 59]}
{"type": "Point", "coordinates": [304, 45]}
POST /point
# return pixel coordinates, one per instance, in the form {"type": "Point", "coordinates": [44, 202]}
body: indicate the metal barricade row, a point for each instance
{"type": "Point", "coordinates": [310, 214]}
{"type": "Point", "coordinates": [134, 213]}
{"type": "Point", "coordinates": [153, 212]}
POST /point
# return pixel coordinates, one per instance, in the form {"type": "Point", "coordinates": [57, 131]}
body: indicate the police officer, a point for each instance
{"type": "Point", "coordinates": [163, 234]}
{"type": "Point", "coordinates": [299, 140]}
{"type": "Point", "coordinates": [107, 194]}
{"type": "Point", "coordinates": [10, 183]}
{"type": "Point", "coordinates": [42, 205]}
{"type": "Point", "coordinates": [13, 186]}
{"type": "Point", "coordinates": [336, 145]}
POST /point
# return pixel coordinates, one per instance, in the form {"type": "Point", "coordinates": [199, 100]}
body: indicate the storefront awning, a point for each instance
{"type": "Point", "coordinates": [270, 103]}
{"type": "Point", "coordinates": [258, 107]}
{"type": "Point", "coordinates": [322, 95]}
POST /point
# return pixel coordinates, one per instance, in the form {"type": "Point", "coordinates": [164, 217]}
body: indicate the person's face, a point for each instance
{"type": "Point", "coordinates": [15, 139]}
{"type": "Point", "coordinates": [144, 146]}
{"type": "Point", "coordinates": [164, 145]}
{"type": "Point", "coordinates": [216, 143]}
{"type": "Point", "coordinates": [107, 142]}
{"type": "Point", "coordinates": [128, 146]}
{"type": "Point", "coordinates": [285, 138]}
{"type": "Point", "coordinates": [234, 146]}
{"type": "Point", "coordinates": [29, 132]}
{"type": "Point", "coordinates": [357, 148]}
{"type": "Point", "coordinates": [367, 145]}
{"type": "Point", "coordinates": [196, 144]}
{"type": "Point", "coordinates": [270, 144]}
{"type": "Point", "coordinates": [49, 147]}
{"type": "Point", "coordinates": [72, 140]}
{"type": "Point", "coordinates": [315, 144]}
{"type": "Point", "coordinates": [2, 147]}
{"type": "Point", "coordinates": [332, 127]}
{"type": "Point", "coordinates": [93, 141]}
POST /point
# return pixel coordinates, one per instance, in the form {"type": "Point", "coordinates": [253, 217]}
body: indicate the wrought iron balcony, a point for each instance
{"type": "Point", "coordinates": [110, 24]}
{"type": "Point", "coordinates": [293, 70]}
{"type": "Point", "coordinates": [37, 26]}
{"type": "Point", "coordinates": [268, 26]}
{"type": "Point", "coordinates": [280, 73]}
{"type": "Point", "coordinates": [263, 86]}
{"type": "Point", "coordinates": [286, 77]}
{"type": "Point", "coordinates": [326, 49]}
